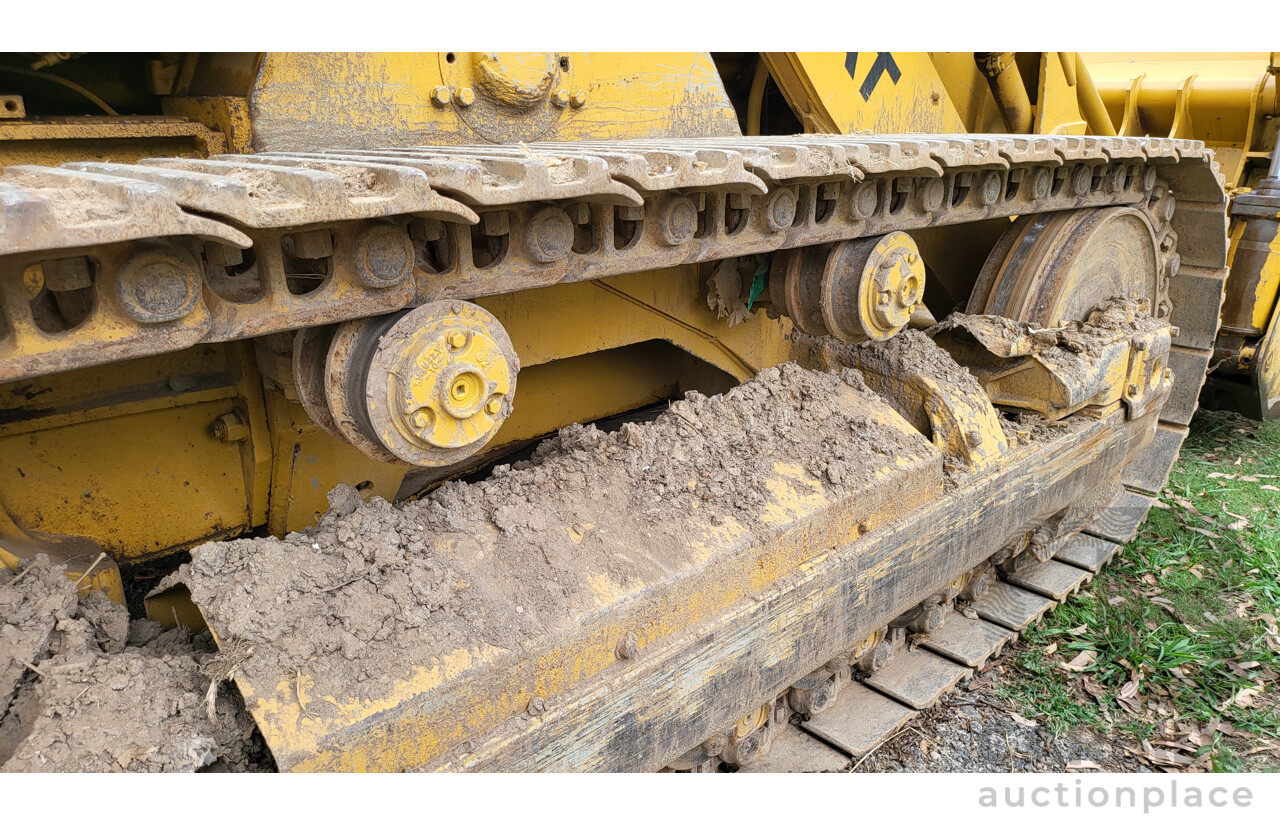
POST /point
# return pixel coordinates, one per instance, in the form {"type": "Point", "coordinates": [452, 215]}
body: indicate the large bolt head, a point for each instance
{"type": "Point", "coordinates": [158, 284]}
{"type": "Point", "coordinates": [865, 200]}
{"type": "Point", "coordinates": [1040, 181]}
{"type": "Point", "coordinates": [1081, 180]}
{"type": "Point", "coordinates": [932, 193]}
{"type": "Point", "coordinates": [549, 235]}
{"type": "Point", "coordinates": [879, 657]}
{"type": "Point", "coordinates": [384, 255]}
{"type": "Point", "coordinates": [678, 221]}
{"type": "Point", "coordinates": [992, 186]}
{"type": "Point", "coordinates": [781, 210]}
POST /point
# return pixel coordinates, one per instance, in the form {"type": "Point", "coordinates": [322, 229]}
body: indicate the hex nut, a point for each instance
{"type": "Point", "coordinates": [560, 98]}
{"type": "Point", "coordinates": [578, 99]}
{"type": "Point", "coordinates": [464, 96]}
{"type": "Point", "coordinates": [440, 96]}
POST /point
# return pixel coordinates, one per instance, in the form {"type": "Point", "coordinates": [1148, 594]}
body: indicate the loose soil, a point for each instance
{"type": "Point", "coordinates": [86, 689]}
{"type": "Point", "coordinates": [374, 589]}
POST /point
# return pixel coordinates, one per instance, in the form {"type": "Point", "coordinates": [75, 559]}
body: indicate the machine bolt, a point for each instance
{"type": "Point", "coordinates": [463, 96]}
{"type": "Point", "coordinates": [678, 221]}
{"type": "Point", "coordinates": [744, 751]}
{"type": "Point", "coordinates": [537, 706]}
{"type": "Point", "coordinates": [931, 195]}
{"type": "Point", "coordinates": [67, 274]}
{"type": "Point", "coordinates": [992, 185]}
{"type": "Point", "coordinates": [1040, 182]}
{"type": "Point", "coordinates": [457, 340]}
{"type": "Point", "coordinates": [1081, 178]}
{"type": "Point", "coordinates": [229, 428]}
{"type": "Point", "coordinates": [879, 657]}
{"type": "Point", "coordinates": [560, 99]}
{"type": "Point", "coordinates": [158, 284]}
{"type": "Point", "coordinates": [549, 235]}
{"type": "Point", "coordinates": [865, 201]}
{"type": "Point", "coordinates": [929, 620]}
{"type": "Point", "coordinates": [1115, 179]}
{"type": "Point", "coordinates": [578, 99]}
{"type": "Point", "coordinates": [440, 96]}
{"type": "Point", "coordinates": [421, 419]}
{"type": "Point", "coordinates": [495, 224]}
{"type": "Point", "coordinates": [781, 211]}
{"type": "Point", "coordinates": [628, 647]}
{"type": "Point", "coordinates": [383, 255]}
{"type": "Point", "coordinates": [493, 407]}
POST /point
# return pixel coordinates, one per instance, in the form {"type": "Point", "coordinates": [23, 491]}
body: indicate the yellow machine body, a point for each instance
{"type": "Point", "coordinates": [559, 198]}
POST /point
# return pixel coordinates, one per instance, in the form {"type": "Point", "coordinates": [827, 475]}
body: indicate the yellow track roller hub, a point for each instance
{"type": "Point", "coordinates": [428, 387]}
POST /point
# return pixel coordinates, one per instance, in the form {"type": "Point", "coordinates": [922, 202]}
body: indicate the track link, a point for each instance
{"type": "Point", "coordinates": [254, 244]}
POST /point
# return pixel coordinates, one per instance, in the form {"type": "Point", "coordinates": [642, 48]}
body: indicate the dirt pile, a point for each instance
{"type": "Point", "coordinates": [85, 689]}
{"type": "Point", "coordinates": [348, 607]}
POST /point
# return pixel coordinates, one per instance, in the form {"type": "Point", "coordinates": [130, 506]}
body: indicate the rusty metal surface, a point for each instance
{"type": "Point", "coordinates": [539, 215]}
{"type": "Point", "coordinates": [293, 193]}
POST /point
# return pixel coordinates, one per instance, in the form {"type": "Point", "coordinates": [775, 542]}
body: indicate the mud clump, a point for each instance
{"type": "Point", "coordinates": [85, 689]}
{"type": "Point", "coordinates": [349, 608]}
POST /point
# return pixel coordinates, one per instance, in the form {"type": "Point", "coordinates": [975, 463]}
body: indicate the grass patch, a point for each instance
{"type": "Point", "coordinates": [1183, 623]}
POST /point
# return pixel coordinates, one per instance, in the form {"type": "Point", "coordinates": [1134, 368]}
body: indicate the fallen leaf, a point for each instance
{"type": "Point", "coordinates": [1228, 476]}
{"type": "Point", "coordinates": [1245, 697]}
{"type": "Point", "coordinates": [1240, 521]}
{"type": "Point", "coordinates": [1115, 600]}
{"type": "Point", "coordinates": [1022, 720]}
{"type": "Point", "coordinates": [1083, 765]}
{"type": "Point", "coordinates": [1076, 631]}
{"type": "Point", "coordinates": [1080, 662]}
{"type": "Point", "coordinates": [1051, 649]}
{"type": "Point", "coordinates": [1160, 756]}
{"type": "Point", "coordinates": [1273, 488]}
{"type": "Point", "coordinates": [1128, 690]}
{"type": "Point", "coordinates": [1093, 688]}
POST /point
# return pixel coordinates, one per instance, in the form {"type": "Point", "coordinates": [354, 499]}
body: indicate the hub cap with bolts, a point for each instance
{"type": "Point", "coordinates": [440, 383]}
{"type": "Point", "coordinates": [870, 287]}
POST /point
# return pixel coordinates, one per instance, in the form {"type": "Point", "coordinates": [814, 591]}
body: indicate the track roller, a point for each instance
{"type": "Point", "coordinates": [427, 387]}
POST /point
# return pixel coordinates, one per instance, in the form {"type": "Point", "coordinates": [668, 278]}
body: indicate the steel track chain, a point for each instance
{"type": "Point", "coordinates": [254, 244]}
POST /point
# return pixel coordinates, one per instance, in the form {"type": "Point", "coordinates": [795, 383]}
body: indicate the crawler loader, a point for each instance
{"type": "Point", "coordinates": [575, 411]}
